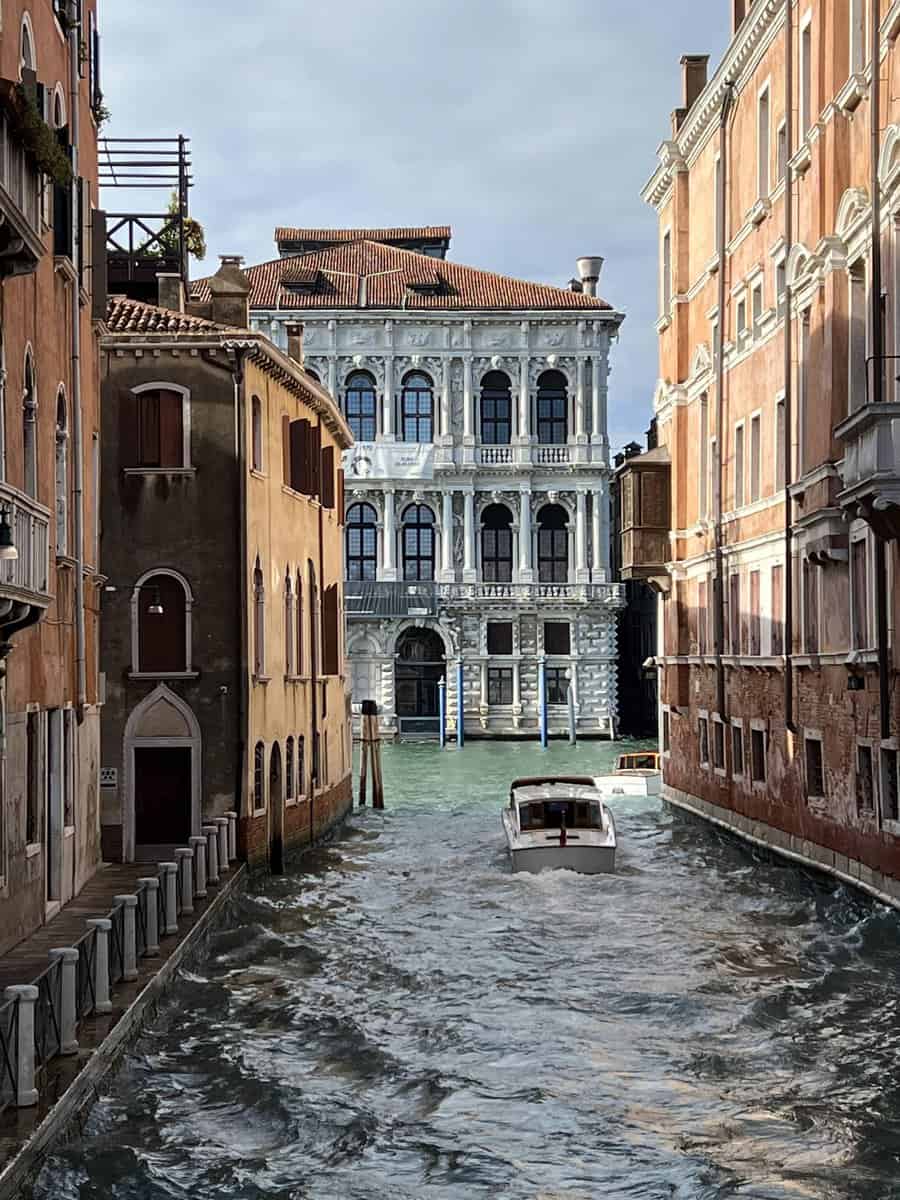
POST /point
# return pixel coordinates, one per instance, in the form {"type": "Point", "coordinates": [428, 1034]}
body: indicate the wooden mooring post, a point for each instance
{"type": "Point", "coordinates": [371, 756]}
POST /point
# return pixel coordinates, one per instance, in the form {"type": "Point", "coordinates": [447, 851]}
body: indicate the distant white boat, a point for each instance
{"type": "Point", "coordinates": [559, 822]}
{"type": "Point", "coordinates": [636, 774]}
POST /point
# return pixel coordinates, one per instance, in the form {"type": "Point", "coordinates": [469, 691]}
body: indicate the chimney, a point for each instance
{"type": "Point", "coordinates": [170, 292]}
{"type": "Point", "coordinates": [295, 342]}
{"type": "Point", "coordinates": [230, 291]}
{"type": "Point", "coordinates": [738, 12]}
{"type": "Point", "coordinates": [589, 272]}
{"type": "Point", "coordinates": [694, 73]}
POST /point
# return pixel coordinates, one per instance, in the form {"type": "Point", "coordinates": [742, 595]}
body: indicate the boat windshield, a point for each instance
{"type": "Point", "coordinates": [549, 814]}
{"type": "Point", "coordinates": [639, 762]}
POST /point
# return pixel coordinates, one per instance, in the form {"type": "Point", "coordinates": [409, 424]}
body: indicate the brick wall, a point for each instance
{"type": "Point", "coordinates": [329, 809]}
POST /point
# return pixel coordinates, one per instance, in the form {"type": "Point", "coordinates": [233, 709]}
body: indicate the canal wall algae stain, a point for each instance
{"type": "Point", "coordinates": [403, 1017]}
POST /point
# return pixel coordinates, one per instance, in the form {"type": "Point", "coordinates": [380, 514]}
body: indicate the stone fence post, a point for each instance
{"type": "Point", "coordinates": [185, 859]}
{"type": "Point", "coordinates": [198, 845]}
{"type": "Point", "coordinates": [167, 881]}
{"type": "Point", "coordinates": [222, 823]}
{"type": "Point", "coordinates": [67, 958]}
{"type": "Point", "coordinates": [102, 1002]}
{"type": "Point", "coordinates": [129, 938]}
{"type": "Point", "coordinates": [232, 835]}
{"type": "Point", "coordinates": [151, 889]}
{"type": "Point", "coordinates": [25, 994]}
{"type": "Point", "coordinates": [212, 853]}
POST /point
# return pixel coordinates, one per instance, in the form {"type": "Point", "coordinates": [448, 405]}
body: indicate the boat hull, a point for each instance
{"type": "Point", "coordinates": [586, 860]}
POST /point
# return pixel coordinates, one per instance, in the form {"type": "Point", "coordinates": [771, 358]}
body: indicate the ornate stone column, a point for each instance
{"type": "Point", "coordinates": [389, 568]}
{"type": "Point", "coordinates": [580, 434]}
{"type": "Point", "coordinates": [448, 571]}
{"type": "Point", "coordinates": [446, 421]}
{"type": "Point", "coordinates": [468, 434]}
{"type": "Point", "coordinates": [387, 415]}
{"type": "Point", "coordinates": [526, 572]}
{"type": "Point", "coordinates": [582, 574]}
{"type": "Point", "coordinates": [600, 533]}
{"type": "Point", "coordinates": [524, 406]}
{"type": "Point", "coordinates": [597, 575]}
{"type": "Point", "coordinates": [469, 574]}
{"type": "Point", "coordinates": [599, 436]}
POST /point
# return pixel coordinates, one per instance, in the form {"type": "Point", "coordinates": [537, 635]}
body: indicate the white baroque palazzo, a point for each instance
{"type": "Point", "coordinates": [477, 495]}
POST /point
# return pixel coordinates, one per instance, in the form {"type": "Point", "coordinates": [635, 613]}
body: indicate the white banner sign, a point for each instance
{"type": "Point", "coordinates": [389, 460]}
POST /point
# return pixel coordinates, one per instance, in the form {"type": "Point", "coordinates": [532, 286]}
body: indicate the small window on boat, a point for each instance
{"type": "Point", "coordinates": [584, 814]}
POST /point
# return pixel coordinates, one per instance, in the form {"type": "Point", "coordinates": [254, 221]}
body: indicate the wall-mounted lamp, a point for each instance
{"type": "Point", "coordinates": [8, 551]}
{"type": "Point", "coordinates": [155, 607]}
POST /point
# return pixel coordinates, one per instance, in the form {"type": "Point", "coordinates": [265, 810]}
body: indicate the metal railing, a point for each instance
{"type": "Point", "coordinates": [85, 993]}
{"type": "Point", "coordinates": [9, 1051]}
{"type": "Point", "coordinates": [116, 944]}
{"type": "Point", "coordinates": [48, 1014]}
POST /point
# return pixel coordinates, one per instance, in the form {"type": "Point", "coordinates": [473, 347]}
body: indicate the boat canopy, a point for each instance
{"type": "Point", "coordinates": [552, 803]}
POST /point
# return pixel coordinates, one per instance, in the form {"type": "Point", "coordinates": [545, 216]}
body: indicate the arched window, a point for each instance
{"type": "Point", "coordinates": [155, 429]}
{"type": "Point", "coordinates": [259, 776]}
{"type": "Point", "coordinates": [496, 409]}
{"type": "Point", "coordinates": [29, 427]}
{"type": "Point", "coordinates": [59, 108]}
{"type": "Point", "coordinates": [417, 408]}
{"type": "Point", "coordinates": [161, 615]}
{"type": "Point", "coordinates": [553, 544]}
{"type": "Point", "coordinates": [256, 446]}
{"type": "Point", "coordinates": [300, 618]}
{"type": "Point", "coordinates": [62, 475]}
{"type": "Point", "coordinates": [27, 60]}
{"type": "Point", "coordinates": [360, 405]}
{"type": "Point", "coordinates": [301, 766]}
{"type": "Point", "coordinates": [289, 668]}
{"type": "Point", "coordinates": [496, 544]}
{"type": "Point", "coordinates": [362, 541]}
{"type": "Point", "coordinates": [259, 622]}
{"type": "Point", "coordinates": [289, 769]}
{"type": "Point", "coordinates": [552, 406]}
{"type": "Point", "coordinates": [418, 543]}
{"type": "Point", "coordinates": [313, 622]}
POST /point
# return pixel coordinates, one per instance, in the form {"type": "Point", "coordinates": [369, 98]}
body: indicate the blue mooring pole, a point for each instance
{"type": "Point", "coordinates": [442, 709]}
{"type": "Point", "coordinates": [460, 707]}
{"type": "Point", "coordinates": [542, 701]}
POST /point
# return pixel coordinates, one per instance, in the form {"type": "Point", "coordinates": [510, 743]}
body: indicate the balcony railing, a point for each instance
{"type": "Point", "coordinates": [871, 467]}
{"type": "Point", "coordinates": [495, 456]}
{"type": "Point", "coordinates": [26, 577]}
{"type": "Point", "coordinates": [426, 599]}
{"type": "Point", "coordinates": [551, 456]}
{"type": "Point", "coordinates": [21, 246]}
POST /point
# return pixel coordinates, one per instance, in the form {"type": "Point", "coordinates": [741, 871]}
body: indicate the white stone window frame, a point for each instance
{"type": "Point", "coordinates": [188, 672]}
{"type": "Point", "coordinates": [665, 724]}
{"type": "Point", "coordinates": [816, 800]}
{"type": "Point", "coordinates": [27, 26]}
{"type": "Point", "coordinates": [860, 532]}
{"type": "Point", "coordinates": [29, 445]}
{"type": "Point", "coordinates": [257, 810]}
{"type": "Point", "coordinates": [705, 763]}
{"type": "Point", "coordinates": [666, 281]}
{"type": "Point", "coordinates": [805, 56]}
{"type": "Point", "coordinates": [860, 263]}
{"type": "Point", "coordinates": [58, 96]}
{"type": "Point", "coordinates": [777, 444]}
{"type": "Point", "coordinates": [739, 775]}
{"type": "Point", "coordinates": [716, 720]}
{"type": "Point", "coordinates": [757, 725]}
{"type": "Point", "coordinates": [186, 468]}
{"type": "Point", "coordinates": [891, 743]}
{"type": "Point", "coordinates": [756, 415]}
{"type": "Point", "coordinates": [764, 178]}
{"type": "Point", "coordinates": [875, 746]}
{"type": "Point", "coordinates": [781, 167]}
{"type": "Point", "coordinates": [739, 501]}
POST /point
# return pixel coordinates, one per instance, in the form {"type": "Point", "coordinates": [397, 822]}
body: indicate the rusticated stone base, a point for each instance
{"type": "Point", "coordinates": [305, 822]}
{"type": "Point", "coordinates": [884, 888]}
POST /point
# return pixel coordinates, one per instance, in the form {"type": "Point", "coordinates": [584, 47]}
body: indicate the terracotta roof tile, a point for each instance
{"type": "Point", "coordinates": [286, 233]}
{"type": "Point", "coordinates": [391, 276]}
{"type": "Point", "coordinates": [133, 316]}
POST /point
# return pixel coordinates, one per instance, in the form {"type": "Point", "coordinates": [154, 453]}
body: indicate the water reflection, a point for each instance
{"type": "Point", "coordinates": [405, 1018]}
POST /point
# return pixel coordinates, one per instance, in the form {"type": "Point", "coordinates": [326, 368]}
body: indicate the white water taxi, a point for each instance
{"type": "Point", "coordinates": [636, 774]}
{"type": "Point", "coordinates": [559, 821]}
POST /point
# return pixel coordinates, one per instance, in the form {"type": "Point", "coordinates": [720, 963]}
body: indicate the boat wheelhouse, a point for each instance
{"type": "Point", "coordinates": [554, 822]}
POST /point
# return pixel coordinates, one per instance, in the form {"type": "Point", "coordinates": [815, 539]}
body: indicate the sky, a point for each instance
{"type": "Point", "coordinates": [529, 126]}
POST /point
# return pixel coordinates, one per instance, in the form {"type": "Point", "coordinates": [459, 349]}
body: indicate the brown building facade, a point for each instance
{"type": "Point", "coordinates": [223, 614]}
{"type": "Point", "coordinates": [778, 414]}
{"type": "Point", "coordinates": [49, 460]}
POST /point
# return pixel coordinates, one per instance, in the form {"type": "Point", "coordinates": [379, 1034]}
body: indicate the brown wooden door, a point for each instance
{"type": "Point", "coordinates": [162, 796]}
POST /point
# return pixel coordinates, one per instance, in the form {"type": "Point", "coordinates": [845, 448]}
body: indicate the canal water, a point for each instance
{"type": "Point", "coordinates": [403, 1018]}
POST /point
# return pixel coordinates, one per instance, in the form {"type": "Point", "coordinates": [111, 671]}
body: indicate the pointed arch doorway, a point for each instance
{"type": "Point", "coordinates": [162, 753]}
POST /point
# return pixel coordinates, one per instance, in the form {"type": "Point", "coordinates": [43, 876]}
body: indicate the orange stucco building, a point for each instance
{"type": "Point", "coordinates": [778, 412]}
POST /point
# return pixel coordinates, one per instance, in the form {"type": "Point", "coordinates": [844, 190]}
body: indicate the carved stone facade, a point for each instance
{"type": "Point", "coordinates": [460, 473]}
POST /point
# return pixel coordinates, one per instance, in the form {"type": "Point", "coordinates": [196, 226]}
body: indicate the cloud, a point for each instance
{"type": "Point", "coordinates": [530, 126]}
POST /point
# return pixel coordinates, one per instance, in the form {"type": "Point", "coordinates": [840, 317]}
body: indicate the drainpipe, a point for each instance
{"type": "Point", "coordinates": [243, 680]}
{"type": "Point", "coordinates": [77, 436]}
{"type": "Point", "coordinates": [881, 615]}
{"type": "Point", "coordinates": [317, 641]}
{"type": "Point", "coordinates": [787, 452]}
{"type": "Point", "coordinates": [719, 608]}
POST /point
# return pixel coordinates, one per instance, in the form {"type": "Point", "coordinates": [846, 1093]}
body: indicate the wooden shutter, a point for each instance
{"type": "Point", "coordinates": [171, 430]}
{"type": "Point", "coordinates": [148, 429]}
{"type": "Point", "coordinates": [340, 495]}
{"type": "Point", "coordinates": [286, 449]}
{"type": "Point", "coordinates": [128, 429]}
{"type": "Point", "coordinates": [315, 455]}
{"type": "Point", "coordinates": [300, 456]}
{"type": "Point", "coordinates": [330, 632]}
{"type": "Point", "coordinates": [327, 478]}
